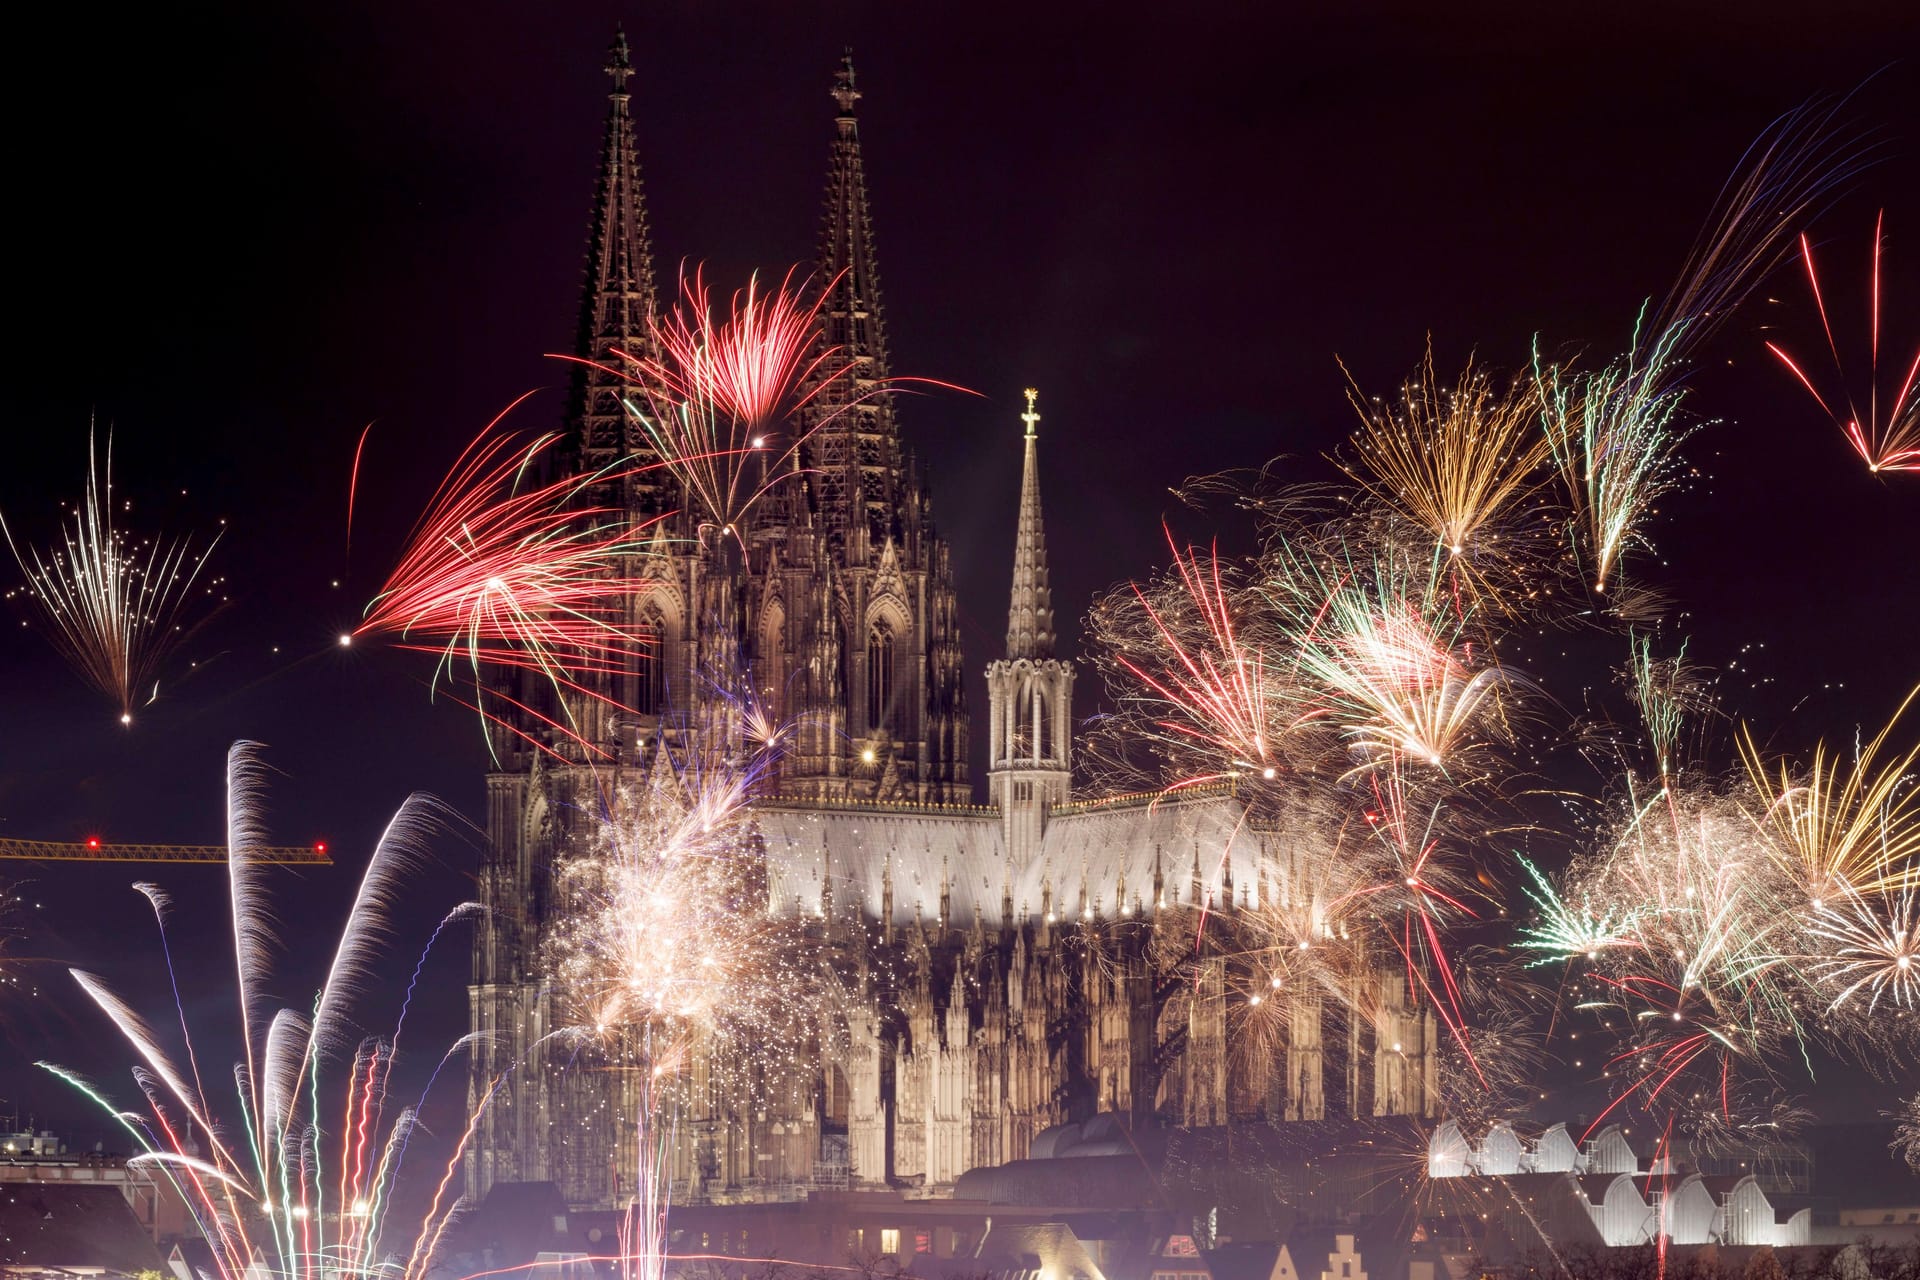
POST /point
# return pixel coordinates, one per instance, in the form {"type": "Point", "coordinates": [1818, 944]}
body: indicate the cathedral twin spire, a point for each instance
{"type": "Point", "coordinates": [857, 447]}
{"type": "Point", "coordinates": [858, 516]}
{"type": "Point", "coordinates": [856, 451]}
{"type": "Point", "coordinates": [619, 301]}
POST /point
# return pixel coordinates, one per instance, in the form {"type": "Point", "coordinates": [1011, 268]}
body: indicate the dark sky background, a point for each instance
{"type": "Point", "coordinates": [243, 232]}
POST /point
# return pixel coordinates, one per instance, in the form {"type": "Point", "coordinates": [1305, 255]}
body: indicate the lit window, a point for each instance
{"type": "Point", "coordinates": [889, 1240]}
{"type": "Point", "coordinates": [923, 1242]}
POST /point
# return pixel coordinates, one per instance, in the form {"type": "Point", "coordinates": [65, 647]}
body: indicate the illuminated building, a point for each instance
{"type": "Point", "coordinates": [986, 1013]}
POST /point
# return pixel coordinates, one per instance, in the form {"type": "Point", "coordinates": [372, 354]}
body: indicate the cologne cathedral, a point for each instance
{"type": "Point", "coordinates": [1011, 955]}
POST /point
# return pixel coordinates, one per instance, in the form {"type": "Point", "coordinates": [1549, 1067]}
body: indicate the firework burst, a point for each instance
{"type": "Point", "coordinates": [1840, 824]}
{"type": "Point", "coordinates": [1886, 434]}
{"type": "Point", "coordinates": [287, 1183]}
{"type": "Point", "coordinates": [719, 399]}
{"type": "Point", "coordinates": [509, 572]}
{"type": "Point", "coordinates": [1872, 950]}
{"type": "Point", "coordinates": [1457, 461]}
{"type": "Point", "coordinates": [118, 605]}
{"type": "Point", "coordinates": [671, 958]}
{"type": "Point", "coordinates": [722, 402]}
{"type": "Point", "coordinates": [1201, 681]}
{"type": "Point", "coordinates": [1389, 649]}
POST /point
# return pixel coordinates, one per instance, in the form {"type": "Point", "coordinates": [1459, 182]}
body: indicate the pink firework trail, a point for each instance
{"type": "Point", "coordinates": [509, 572]}
{"type": "Point", "coordinates": [727, 400]}
{"type": "Point", "coordinates": [758, 363]}
{"type": "Point", "coordinates": [1215, 693]}
{"type": "Point", "coordinates": [1885, 443]}
{"type": "Point", "coordinates": [1415, 883]}
{"type": "Point", "coordinates": [720, 398]}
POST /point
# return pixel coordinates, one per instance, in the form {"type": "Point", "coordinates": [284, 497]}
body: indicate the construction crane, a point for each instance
{"type": "Point", "coordinates": [95, 849]}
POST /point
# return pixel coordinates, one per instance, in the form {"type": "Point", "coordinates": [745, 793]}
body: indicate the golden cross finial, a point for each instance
{"type": "Point", "coordinates": [1031, 417]}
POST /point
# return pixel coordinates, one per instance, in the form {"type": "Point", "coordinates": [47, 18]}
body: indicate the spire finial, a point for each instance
{"type": "Point", "coordinates": [843, 91]}
{"type": "Point", "coordinates": [1032, 416]}
{"type": "Point", "coordinates": [619, 65]}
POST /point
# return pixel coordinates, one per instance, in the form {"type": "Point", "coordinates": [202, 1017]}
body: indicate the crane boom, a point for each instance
{"type": "Point", "coordinates": [100, 851]}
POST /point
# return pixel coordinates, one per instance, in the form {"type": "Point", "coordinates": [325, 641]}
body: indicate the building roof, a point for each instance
{"type": "Point", "coordinates": [1044, 1248]}
{"type": "Point", "coordinates": [516, 1222]}
{"type": "Point", "coordinates": [1095, 846]}
{"type": "Point", "coordinates": [1094, 1182]}
{"type": "Point", "coordinates": [1248, 1260]}
{"type": "Point", "coordinates": [193, 1259]}
{"type": "Point", "coordinates": [54, 1226]}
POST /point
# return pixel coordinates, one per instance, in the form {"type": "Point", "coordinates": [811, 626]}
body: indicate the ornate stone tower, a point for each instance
{"type": "Point", "coordinates": [840, 617]}
{"type": "Point", "coordinates": [853, 625]}
{"type": "Point", "coordinates": [1030, 691]}
{"type": "Point", "coordinates": [617, 305]}
{"type": "Point", "coordinates": [533, 795]}
{"type": "Point", "coordinates": [856, 446]}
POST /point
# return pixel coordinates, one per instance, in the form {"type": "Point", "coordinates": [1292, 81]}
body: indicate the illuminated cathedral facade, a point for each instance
{"type": "Point", "coordinates": [1008, 959]}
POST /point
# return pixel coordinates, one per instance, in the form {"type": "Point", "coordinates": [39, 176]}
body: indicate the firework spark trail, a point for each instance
{"type": "Point", "coordinates": [275, 1192]}
{"type": "Point", "coordinates": [1566, 932]}
{"type": "Point", "coordinates": [720, 399]}
{"type": "Point", "coordinates": [1789, 172]}
{"type": "Point", "coordinates": [1455, 460]}
{"type": "Point", "coordinates": [1834, 823]}
{"type": "Point", "coordinates": [1655, 688]}
{"type": "Point", "coordinates": [157, 898]}
{"type": "Point", "coordinates": [668, 952]}
{"type": "Point", "coordinates": [119, 606]}
{"type": "Point", "coordinates": [1889, 443]}
{"type": "Point", "coordinates": [506, 572]}
{"type": "Point", "coordinates": [1613, 433]}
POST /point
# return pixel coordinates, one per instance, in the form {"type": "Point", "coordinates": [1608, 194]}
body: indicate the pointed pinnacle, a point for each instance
{"type": "Point", "coordinates": [619, 65]}
{"type": "Point", "coordinates": [843, 91]}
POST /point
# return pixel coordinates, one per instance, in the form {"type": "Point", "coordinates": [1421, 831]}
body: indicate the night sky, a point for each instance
{"type": "Point", "coordinates": [239, 237]}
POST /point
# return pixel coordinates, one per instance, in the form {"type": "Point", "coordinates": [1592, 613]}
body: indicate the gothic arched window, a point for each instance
{"type": "Point", "coordinates": [773, 665]}
{"type": "Point", "coordinates": [651, 696]}
{"type": "Point", "coordinates": [879, 678]}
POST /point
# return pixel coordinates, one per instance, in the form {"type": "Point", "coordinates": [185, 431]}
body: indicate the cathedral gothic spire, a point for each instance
{"type": "Point", "coordinates": [618, 301]}
{"type": "Point", "coordinates": [1030, 612]}
{"type": "Point", "coordinates": [1030, 734]}
{"type": "Point", "coordinates": [857, 448]}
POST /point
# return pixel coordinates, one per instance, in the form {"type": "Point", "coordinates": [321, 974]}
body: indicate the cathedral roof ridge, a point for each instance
{"type": "Point", "coordinates": [1146, 799]}
{"type": "Point", "coordinates": [856, 804]}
